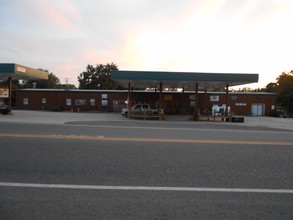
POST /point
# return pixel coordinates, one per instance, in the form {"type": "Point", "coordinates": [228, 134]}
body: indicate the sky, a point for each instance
{"type": "Point", "coordinates": [220, 36]}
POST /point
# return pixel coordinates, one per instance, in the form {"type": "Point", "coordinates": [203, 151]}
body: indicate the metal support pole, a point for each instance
{"type": "Point", "coordinates": [10, 93]}
{"type": "Point", "coordinates": [226, 99]}
{"type": "Point", "coordinates": [196, 113]}
{"type": "Point", "coordinates": [128, 101]}
{"type": "Point", "coordinates": [205, 101]}
{"type": "Point", "coordinates": [161, 102]}
{"type": "Point", "coordinates": [161, 92]}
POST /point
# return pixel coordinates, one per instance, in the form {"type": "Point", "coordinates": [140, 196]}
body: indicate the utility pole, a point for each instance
{"type": "Point", "coordinates": [66, 80]}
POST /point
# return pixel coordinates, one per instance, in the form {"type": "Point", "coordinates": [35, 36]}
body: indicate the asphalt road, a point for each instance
{"type": "Point", "coordinates": [133, 169]}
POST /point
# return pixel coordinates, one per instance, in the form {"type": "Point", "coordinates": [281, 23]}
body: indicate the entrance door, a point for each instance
{"type": "Point", "coordinates": [257, 109]}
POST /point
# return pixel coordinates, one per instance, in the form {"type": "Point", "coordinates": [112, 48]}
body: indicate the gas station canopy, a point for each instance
{"type": "Point", "coordinates": [186, 80]}
{"type": "Point", "coordinates": [16, 72]}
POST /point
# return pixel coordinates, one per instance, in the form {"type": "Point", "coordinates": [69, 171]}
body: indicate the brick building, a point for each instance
{"type": "Point", "coordinates": [239, 103]}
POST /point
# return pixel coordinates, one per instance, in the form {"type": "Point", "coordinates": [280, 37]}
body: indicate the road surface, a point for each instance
{"type": "Point", "coordinates": [131, 169]}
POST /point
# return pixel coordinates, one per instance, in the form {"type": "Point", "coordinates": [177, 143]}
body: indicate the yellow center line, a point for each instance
{"type": "Point", "coordinates": [97, 138]}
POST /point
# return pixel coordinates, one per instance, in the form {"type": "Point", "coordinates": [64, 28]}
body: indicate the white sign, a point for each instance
{"type": "Point", "coordinates": [240, 104]}
{"type": "Point", "coordinates": [192, 97]}
{"type": "Point", "coordinates": [214, 98]}
{"type": "Point", "coordinates": [104, 96]}
{"type": "Point", "coordinates": [20, 69]}
{"type": "Point", "coordinates": [4, 93]}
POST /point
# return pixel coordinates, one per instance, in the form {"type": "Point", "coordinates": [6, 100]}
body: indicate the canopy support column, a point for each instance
{"type": "Point", "coordinates": [204, 107]}
{"type": "Point", "coordinates": [10, 93]}
{"type": "Point", "coordinates": [161, 109]}
{"type": "Point", "coordinates": [226, 99]}
{"type": "Point", "coordinates": [129, 101]}
{"type": "Point", "coordinates": [196, 104]}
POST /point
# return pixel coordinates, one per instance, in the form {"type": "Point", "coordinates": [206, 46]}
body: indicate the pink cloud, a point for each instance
{"type": "Point", "coordinates": [60, 13]}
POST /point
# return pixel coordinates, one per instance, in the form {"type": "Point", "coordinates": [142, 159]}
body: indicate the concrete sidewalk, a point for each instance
{"type": "Point", "coordinates": [47, 117]}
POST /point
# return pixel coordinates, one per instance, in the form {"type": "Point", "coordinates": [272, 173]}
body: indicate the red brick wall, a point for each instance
{"type": "Point", "coordinates": [175, 103]}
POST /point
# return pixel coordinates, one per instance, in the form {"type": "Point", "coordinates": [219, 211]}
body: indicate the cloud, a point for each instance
{"type": "Point", "coordinates": [61, 13]}
{"type": "Point", "coordinates": [64, 36]}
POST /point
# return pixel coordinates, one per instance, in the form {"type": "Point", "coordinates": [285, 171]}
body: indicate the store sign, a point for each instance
{"type": "Point", "coordinates": [4, 93]}
{"type": "Point", "coordinates": [104, 96]}
{"type": "Point", "coordinates": [240, 104]}
{"type": "Point", "coordinates": [214, 98]}
{"type": "Point", "coordinates": [20, 69]}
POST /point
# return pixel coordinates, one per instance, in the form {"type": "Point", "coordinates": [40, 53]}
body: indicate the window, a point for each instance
{"type": "Point", "coordinates": [92, 102]}
{"type": "Point", "coordinates": [25, 101]}
{"type": "Point", "coordinates": [234, 98]}
{"type": "Point", "coordinates": [104, 103]}
{"type": "Point", "coordinates": [80, 101]}
{"type": "Point", "coordinates": [68, 102]}
{"type": "Point", "coordinates": [44, 100]}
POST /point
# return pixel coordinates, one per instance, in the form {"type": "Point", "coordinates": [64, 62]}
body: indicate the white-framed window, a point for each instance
{"type": "Point", "coordinates": [104, 103]}
{"type": "Point", "coordinates": [192, 103]}
{"type": "Point", "coordinates": [234, 97]}
{"type": "Point", "coordinates": [25, 101]}
{"type": "Point", "coordinates": [92, 102]}
{"type": "Point", "coordinates": [68, 102]}
{"type": "Point", "coordinates": [80, 102]}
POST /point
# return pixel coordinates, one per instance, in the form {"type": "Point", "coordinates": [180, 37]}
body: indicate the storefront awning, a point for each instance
{"type": "Point", "coordinates": [16, 72]}
{"type": "Point", "coordinates": [186, 80]}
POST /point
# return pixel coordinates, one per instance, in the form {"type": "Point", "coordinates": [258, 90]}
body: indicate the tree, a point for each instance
{"type": "Point", "coordinates": [283, 87]}
{"type": "Point", "coordinates": [98, 77]}
{"type": "Point", "coordinates": [68, 86]}
{"type": "Point", "coordinates": [271, 87]}
{"type": "Point", "coordinates": [285, 91]}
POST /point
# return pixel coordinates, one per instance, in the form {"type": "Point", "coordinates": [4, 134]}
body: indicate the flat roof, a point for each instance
{"type": "Point", "coordinates": [140, 91]}
{"type": "Point", "coordinates": [151, 79]}
{"type": "Point", "coordinates": [16, 72]}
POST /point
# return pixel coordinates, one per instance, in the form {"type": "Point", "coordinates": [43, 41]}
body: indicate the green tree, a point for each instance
{"type": "Point", "coordinates": [68, 86]}
{"type": "Point", "coordinates": [98, 77]}
{"type": "Point", "coordinates": [285, 91]}
{"type": "Point", "coordinates": [271, 87]}
{"type": "Point", "coordinates": [283, 88]}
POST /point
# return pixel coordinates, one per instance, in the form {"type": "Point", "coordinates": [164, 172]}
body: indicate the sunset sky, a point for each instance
{"type": "Point", "coordinates": [64, 36]}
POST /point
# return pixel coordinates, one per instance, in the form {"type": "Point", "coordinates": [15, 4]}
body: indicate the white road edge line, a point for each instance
{"type": "Point", "coordinates": [145, 188]}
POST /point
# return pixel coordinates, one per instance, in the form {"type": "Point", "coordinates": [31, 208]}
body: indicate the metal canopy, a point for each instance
{"type": "Point", "coordinates": [16, 72]}
{"type": "Point", "coordinates": [186, 80]}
